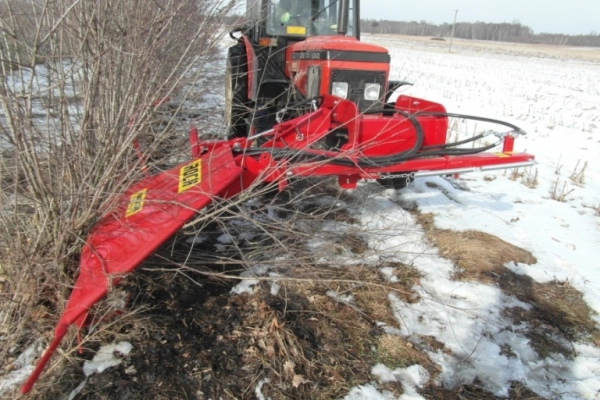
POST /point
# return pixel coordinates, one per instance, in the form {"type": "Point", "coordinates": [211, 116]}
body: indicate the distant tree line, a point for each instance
{"type": "Point", "coordinates": [501, 32]}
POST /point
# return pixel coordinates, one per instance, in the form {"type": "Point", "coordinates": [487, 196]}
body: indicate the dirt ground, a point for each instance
{"type": "Point", "coordinates": [193, 339]}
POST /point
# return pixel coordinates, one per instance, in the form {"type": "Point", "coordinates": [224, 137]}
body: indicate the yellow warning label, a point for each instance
{"type": "Point", "coordinates": [136, 203]}
{"type": "Point", "coordinates": [503, 155]}
{"type": "Point", "coordinates": [296, 30]}
{"type": "Point", "coordinates": [190, 175]}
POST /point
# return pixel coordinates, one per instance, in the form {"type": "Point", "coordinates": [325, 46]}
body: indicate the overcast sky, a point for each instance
{"type": "Point", "coordinates": [553, 16]}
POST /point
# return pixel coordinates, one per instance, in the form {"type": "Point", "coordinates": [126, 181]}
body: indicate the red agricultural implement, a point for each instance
{"type": "Point", "coordinates": [304, 98]}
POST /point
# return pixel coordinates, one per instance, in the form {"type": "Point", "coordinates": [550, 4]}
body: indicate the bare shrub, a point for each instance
{"type": "Point", "coordinates": [80, 84]}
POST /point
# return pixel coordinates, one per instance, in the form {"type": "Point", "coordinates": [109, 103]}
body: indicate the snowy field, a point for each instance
{"type": "Point", "coordinates": [557, 101]}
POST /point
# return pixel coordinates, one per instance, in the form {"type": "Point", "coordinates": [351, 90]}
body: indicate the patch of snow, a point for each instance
{"type": "Point", "coordinates": [21, 368]}
{"type": "Point", "coordinates": [225, 238]}
{"type": "Point", "coordinates": [77, 390]}
{"type": "Point", "coordinates": [342, 298]}
{"type": "Point", "coordinates": [107, 356]}
{"type": "Point", "coordinates": [197, 239]}
{"type": "Point", "coordinates": [388, 273]}
{"type": "Point", "coordinates": [274, 286]}
{"type": "Point", "coordinates": [368, 392]}
{"type": "Point", "coordinates": [411, 378]}
{"type": "Point", "coordinates": [258, 390]}
{"type": "Point", "coordinates": [247, 285]}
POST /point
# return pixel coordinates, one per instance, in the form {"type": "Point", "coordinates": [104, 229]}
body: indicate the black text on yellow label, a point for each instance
{"type": "Point", "coordinates": [136, 202]}
{"type": "Point", "coordinates": [190, 175]}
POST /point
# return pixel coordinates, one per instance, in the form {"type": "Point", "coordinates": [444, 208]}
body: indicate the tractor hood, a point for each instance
{"type": "Point", "coordinates": [342, 66]}
{"type": "Point", "coordinates": [342, 50]}
{"type": "Point", "coordinates": [317, 46]}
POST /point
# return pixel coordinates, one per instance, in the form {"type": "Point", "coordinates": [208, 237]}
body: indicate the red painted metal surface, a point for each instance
{"type": "Point", "coordinates": [435, 128]}
{"type": "Point", "coordinates": [319, 44]}
{"type": "Point", "coordinates": [144, 218]}
{"type": "Point", "coordinates": [156, 207]}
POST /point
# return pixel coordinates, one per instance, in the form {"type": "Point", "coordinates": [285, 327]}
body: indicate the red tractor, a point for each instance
{"type": "Point", "coordinates": [304, 97]}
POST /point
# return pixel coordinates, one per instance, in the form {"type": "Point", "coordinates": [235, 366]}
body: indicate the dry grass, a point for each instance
{"type": "Point", "coordinates": [477, 255]}
{"type": "Point", "coordinates": [396, 352]}
{"type": "Point", "coordinates": [530, 179]}
{"type": "Point", "coordinates": [350, 340]}
{"type": "Point", "coordinates": [578, 175]}
{"type": "Point", "coordinates": [517, 391]}
{"type": "Point", "coordinates": [558, 311]}
{"type": "Point", "coordinates": [560, 192]}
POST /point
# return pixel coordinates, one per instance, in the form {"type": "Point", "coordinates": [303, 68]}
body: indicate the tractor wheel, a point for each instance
{"type": "Point", "coordinates": [396, 181]}
{"type": "Point", "coordinates": [236, 92]}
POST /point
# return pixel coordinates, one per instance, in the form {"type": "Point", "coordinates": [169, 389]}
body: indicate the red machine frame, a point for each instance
{"type": "Point", "coordinates": [152, 210]}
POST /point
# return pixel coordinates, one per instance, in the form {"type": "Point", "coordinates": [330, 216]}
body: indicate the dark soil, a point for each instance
{"type": "Point", "coordinates": [200, 342]}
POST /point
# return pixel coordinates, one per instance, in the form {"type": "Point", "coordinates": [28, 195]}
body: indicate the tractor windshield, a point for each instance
{"type": "Point", "coordinates": [305, 18]}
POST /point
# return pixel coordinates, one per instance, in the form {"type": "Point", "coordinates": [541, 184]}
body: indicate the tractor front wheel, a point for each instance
{"type": "Point", "coordinates": [236, 92]}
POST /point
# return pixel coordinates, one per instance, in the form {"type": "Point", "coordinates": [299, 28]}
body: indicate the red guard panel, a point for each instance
{"type": "Point", "coordinates": [434, 128]}
{"type": "Point", "coordinates": [145, 217]}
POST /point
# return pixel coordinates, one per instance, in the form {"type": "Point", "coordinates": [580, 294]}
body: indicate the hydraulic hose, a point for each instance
{"type": "Point", "coordinates": [361, 162]}
{"type": "Point", "coordinates": [417, 151]}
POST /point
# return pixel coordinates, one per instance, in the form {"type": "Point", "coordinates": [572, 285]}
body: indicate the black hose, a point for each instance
{"type": "Point", "coordinates": [452, 115]}
{"type": "Point", "coordinates": [472, 117]}
{"type": "Point", "coordinates": [362, 161]}
{"type": "Point", "coordinates": [454, 144]}
{"type": "Point", "coordinates": [384, 161]}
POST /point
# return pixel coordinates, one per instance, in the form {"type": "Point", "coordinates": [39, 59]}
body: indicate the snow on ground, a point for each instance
{"type": "Point", "coordinates": [22, 368]}
{"type": "Point", "coordinates": [557, 101]}
{"type": "Point", "coordinates": [107, 356]}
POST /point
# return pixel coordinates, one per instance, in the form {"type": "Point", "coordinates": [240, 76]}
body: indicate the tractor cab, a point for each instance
{"type": "Point", "coordinates": [294, 20]}
{"type": "Point", "coordinates": [291, 51]}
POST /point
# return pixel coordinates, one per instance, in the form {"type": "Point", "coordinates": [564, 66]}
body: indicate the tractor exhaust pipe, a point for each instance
{"type": "Point", "coordinates": [343, 16]}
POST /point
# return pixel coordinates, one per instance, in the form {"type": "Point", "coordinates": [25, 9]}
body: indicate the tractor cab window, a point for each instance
{"type": "Point", "coordinates": [304, 18]}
